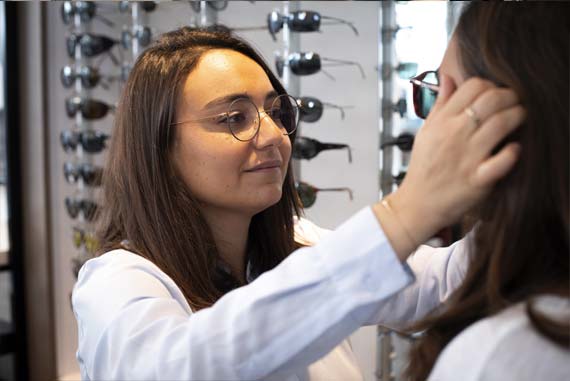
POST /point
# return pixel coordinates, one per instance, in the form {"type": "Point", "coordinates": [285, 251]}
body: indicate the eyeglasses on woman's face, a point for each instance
{"type": "Point", "coordinates": [243, 118]}
{"type": "Point", "coordinates": [425, 90]}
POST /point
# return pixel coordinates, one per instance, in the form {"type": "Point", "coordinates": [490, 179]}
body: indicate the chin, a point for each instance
{"type": "Point", "coordinates": [266, 198]}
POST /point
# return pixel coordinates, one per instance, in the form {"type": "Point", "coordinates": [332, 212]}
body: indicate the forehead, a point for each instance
{"type": "Point", "coordinates": [222, 72]}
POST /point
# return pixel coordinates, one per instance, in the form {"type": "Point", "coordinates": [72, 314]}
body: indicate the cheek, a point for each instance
{"type": "Point", "coordinates": [209, 164]}
{"type": "Point", "coordinates": [285, 150]}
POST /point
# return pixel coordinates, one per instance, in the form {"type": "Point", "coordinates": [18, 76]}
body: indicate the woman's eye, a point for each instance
{"type": "Point", "coordinates": [275, 113]}
{"type": "Point", "coordinates": [234, 118]}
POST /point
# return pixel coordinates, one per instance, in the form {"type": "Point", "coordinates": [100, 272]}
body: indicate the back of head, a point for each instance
{"type": "Point", "coordinates": [147, 204]}
{"type": "Point", "coordinates": [521, 247]}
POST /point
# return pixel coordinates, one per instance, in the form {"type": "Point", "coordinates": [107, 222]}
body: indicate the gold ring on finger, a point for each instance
{"type": "Point", "coordinates": [472, 115]}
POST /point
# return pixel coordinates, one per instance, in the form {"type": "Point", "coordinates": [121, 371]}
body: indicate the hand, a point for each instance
{"type": "Point", "coordinates": [452, 166]}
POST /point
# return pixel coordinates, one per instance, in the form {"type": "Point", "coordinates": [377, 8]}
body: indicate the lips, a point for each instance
{"type": "Point", "coordinates": [266, 165]}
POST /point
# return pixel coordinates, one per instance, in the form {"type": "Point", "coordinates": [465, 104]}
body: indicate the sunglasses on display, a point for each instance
{"type": "Point", "coordinates": [405, 70]}
{"type": "Point", "coordinates": [308, 193]}
{"type": "Point", "coordinates": [243, 118]}
{"type": "Point", "coordinates": [302, 21]}
{"type": "Point", "coordinates": [143, 34]}
{"type": "Point", "coordinates": [399, 178]}
{"type": "Point", "coordinates": [307, 148]}
{"type": "Point", "coordinates": [425, 89]}
{"type": "Point", "coordinates": [89, 108]}
{"type": "Point", "coordinates": [91, 141]}
{"type": "Point", "coordinates": [401, 107]}
{"type": "Point", "coordinates": [88, 75]}
{"type": "Point", "coordinates": [74, 206]}
{"type": "Point", "coordinates": [147, 6]}
{"type": "Point", "coordinates": [85, 239]}
{"type": "Point", "coordinates": [311, 109]}
{"type": "Point", "coordinates": [216, 5]}
{"type": "Point", "coordinates": [404, 141]}
{"type": "Point", "coordinates": [91, 45]}
{"type": "Point", "coordinates": [308, 63]}
{"type": "Point", "coordinates": [87, 11]}
{"type": "Point", "coordinates": [89, 173]}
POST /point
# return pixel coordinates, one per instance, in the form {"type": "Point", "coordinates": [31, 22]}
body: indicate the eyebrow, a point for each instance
{"type": "Point", "coordinates": [232, 97]}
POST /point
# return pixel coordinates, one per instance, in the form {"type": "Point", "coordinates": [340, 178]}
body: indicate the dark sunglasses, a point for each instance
{"type": "Point", "coordinates": [308, 63]}
{"type": "Point", "coordinates": [91, 45]}
{"type": "Point", "coordinates": [147, 6]}
{"type": "Point", "coordinates": [81, 237]}
{"type": "Point", "coordinates": [404, 141]}
{"type": "Point", "coordinates": [425, 89]}
{"type": "Point", "coordinates": [91, 141]}
{"type": "Point", "coordinates": [89, 173]}
{"type": "Point", "coordinates": [143, 34]}
{"type": "Point", "coordinates": [90, 108]}
{"type": "Point", "coordinates": [301, 21]}
{"type": "Point", "coordinates": [88, 75]}
{"type": "Point", "coordinates": [85, 9]}
{"type": "Point", "coordinates": [76, 205]}
{"type": "Point", "coordinates": [307, 148]}
{"type": "Point", "coordinates": [308, 193]}
{"type": "Point", "coordinates": [311, 109]}
{"type": "Point", "coordinates": [401, 107]}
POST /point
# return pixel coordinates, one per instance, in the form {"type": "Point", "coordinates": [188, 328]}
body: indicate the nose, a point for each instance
{"type": "Point", "coordinates": [269, 134]}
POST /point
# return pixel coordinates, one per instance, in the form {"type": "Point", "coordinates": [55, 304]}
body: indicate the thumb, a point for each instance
{"type": "Point", "coordinates": [446, 88]}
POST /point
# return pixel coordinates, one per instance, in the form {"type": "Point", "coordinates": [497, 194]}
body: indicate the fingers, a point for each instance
{"type": "Point", "coordinates": [493, 100]}
{"type": "Point", "coordinates": [496, 128]}
{"type": "Point", "coordinates": [446, 88]}
{"type": "Point", "coordinates": [497, 166]}
{"type": "Point", "coordinates": [466, 94]}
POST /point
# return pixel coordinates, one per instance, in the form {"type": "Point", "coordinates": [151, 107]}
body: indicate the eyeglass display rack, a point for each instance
{"type": "Point", "coordinates": [82, 16]}
{"type": "Point", "coordinates": [78, 60]}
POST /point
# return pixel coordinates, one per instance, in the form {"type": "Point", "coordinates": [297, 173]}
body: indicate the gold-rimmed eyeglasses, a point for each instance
{"type": "Point", "coordinates": [243, 118]}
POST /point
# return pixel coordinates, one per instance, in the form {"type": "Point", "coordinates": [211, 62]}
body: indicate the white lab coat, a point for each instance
{"type": "Point", "coordinates": [134, 322]}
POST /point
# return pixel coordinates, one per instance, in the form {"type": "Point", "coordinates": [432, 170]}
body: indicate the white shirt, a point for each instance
{"type": "Point", "coordinates": [506, 347]}
{"type": "Point", "coordinates": [135, 324]}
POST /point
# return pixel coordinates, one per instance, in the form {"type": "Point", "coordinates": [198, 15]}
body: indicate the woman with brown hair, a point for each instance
{"type": "Point", "coordinates": [510, 319]}
{"type": "Point", "coordinates": [199, 276]}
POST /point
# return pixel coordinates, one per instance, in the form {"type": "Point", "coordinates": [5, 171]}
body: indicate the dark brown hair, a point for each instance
{"type": "Point", "coordinates": [145, 201]}
{"type": "Point", "coordinates": [521, 246]}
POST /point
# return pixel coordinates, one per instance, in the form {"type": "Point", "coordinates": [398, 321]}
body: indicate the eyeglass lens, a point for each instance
{"type": "Point", "coordinates": [88, 75]}
{"type": "Point", "coordinates": [424, 96]}
{"type": "Point", "coordinates": [243, 116]}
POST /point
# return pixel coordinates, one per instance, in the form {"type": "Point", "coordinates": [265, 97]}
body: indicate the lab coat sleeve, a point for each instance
{"type": "Point", "coordinates": [438, 272]}
{"type": "Point", "coordinates": [131, 327]}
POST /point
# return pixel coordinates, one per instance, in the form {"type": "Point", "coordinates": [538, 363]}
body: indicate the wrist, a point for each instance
{"type": "Point", "coordinates": [415, 214]}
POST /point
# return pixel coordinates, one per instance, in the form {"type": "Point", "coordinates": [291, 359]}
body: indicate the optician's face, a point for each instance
{"type": "Point", "coordinates": [220, 170]}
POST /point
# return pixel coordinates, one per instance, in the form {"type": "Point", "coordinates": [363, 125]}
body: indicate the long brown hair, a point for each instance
{"type": "Point", "coordinates": [147, 204]}
{"type": "Point", "coordinates": [521, 246]}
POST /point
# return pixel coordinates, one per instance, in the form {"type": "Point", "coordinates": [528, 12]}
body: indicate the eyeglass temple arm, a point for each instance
{"type": "Point", "coordinates": [343, 62]}
{"type": "Point", "coordinates": [340, 108]}
{"type": "Point", "coordinates": [341, 21]}
{"type": "Point", "coordinates": [344, 189]}
{"type": "Point", "coordinates": [248, 28]}
{"type": "Point", "coordinates": [424, 84]}
{"type": "Point", "coordinates": [105, 20]}
{"type": "Point", "coordinates": [327, 146]}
